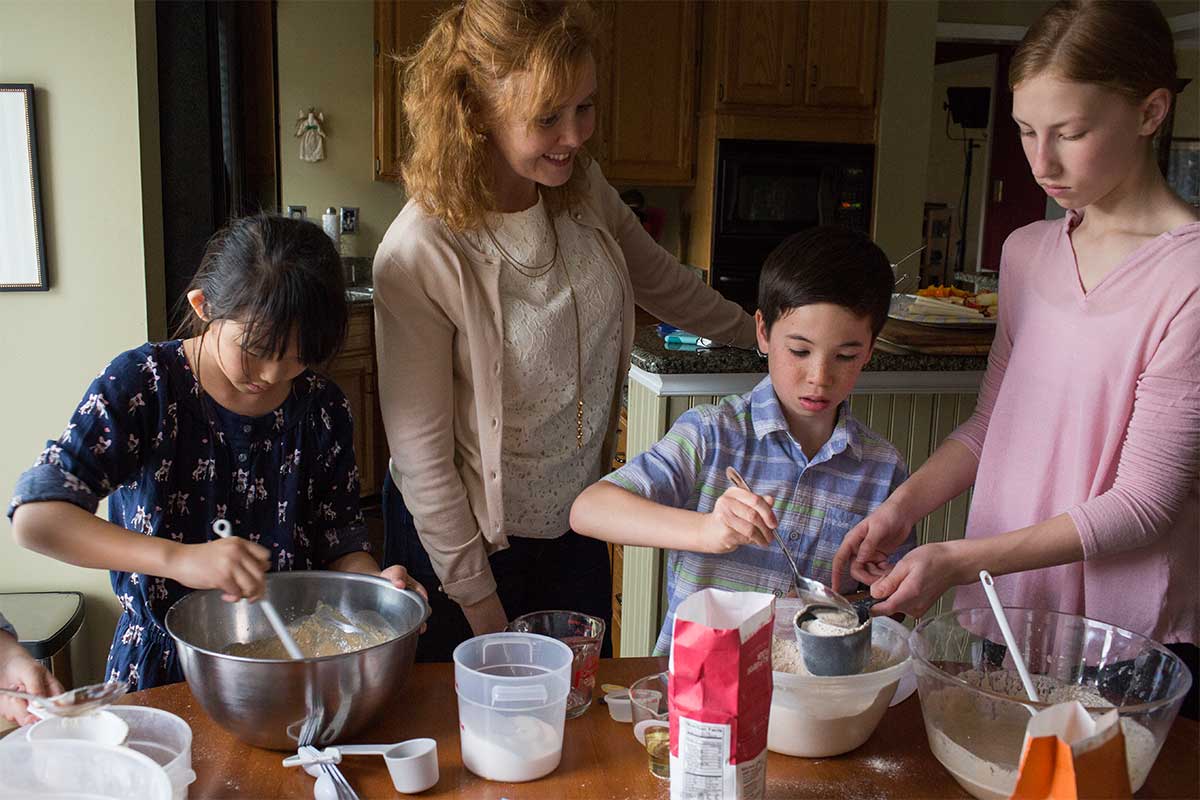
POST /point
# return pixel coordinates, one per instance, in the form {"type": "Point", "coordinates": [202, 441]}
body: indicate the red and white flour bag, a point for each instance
{"type": "Point", "coordinates": [720, 695]}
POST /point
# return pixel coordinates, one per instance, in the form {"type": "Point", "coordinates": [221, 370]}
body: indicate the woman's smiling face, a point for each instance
{"type": "Point", "coordinates": [541, 151]}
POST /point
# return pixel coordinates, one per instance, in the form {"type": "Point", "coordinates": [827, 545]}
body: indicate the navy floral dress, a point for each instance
{"type": "Point", "coordinates": [171, 460]}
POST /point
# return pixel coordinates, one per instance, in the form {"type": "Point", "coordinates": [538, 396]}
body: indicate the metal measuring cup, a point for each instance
{"type": "Point", "coordinates": [829, 653]}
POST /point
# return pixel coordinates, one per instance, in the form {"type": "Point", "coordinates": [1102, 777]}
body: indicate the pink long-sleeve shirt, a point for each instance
{"type": "Point", "coordinates": [1091, 406]}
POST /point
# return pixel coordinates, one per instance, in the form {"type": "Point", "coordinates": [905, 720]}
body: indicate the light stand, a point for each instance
{"type": "Point", "coordinates": [970, 108]}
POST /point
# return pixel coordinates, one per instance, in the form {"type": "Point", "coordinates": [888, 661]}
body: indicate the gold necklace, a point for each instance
{"type": "Point", "coordinates": [545, 269]}
{"type": "Point", "coordinates": [534, 271]}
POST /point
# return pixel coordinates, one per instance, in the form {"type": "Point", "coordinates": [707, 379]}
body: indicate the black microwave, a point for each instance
{"type": "Point", "coordinates": [768, 190]}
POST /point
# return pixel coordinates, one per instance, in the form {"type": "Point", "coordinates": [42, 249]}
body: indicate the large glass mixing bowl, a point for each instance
{"type": "Point", "coordinates": [976, 710]}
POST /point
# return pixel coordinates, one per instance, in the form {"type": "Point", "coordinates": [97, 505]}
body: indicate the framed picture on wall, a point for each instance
{"type": "Point", "coordinates": [1183, 169]}
{"type": "Point", "coordinates": [22, 232]}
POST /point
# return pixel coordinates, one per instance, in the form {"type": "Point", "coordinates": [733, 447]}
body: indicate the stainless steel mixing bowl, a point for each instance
{"type": "Point", "coordinates": [280, 704]}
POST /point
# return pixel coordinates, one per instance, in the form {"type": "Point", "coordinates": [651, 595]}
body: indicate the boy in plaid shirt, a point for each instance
{"type": "Point", "coordinates": [815, 470]}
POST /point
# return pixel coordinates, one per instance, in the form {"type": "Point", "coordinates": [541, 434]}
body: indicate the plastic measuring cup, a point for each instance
{"type": "Point", "coordinates": [413, 764]}
{"type": "Point", "coordinates": [512, 702]}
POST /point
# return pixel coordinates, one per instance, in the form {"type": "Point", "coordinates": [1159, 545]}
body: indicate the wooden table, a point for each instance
{"type": "Point", "coordinates": [601, 759]}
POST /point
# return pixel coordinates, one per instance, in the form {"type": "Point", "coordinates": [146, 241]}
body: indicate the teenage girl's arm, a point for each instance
{"type": "Point", "coordinates": [946, 474]}
{"type": "Point", "coordinates": [1159, 461]}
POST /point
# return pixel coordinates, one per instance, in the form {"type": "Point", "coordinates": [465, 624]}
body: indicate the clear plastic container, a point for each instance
{"type": "Point", "coordinates": [512, 703]}
{"type": "Point", "coordinates": [815, 716]}
{"type": "Point", "coordinates": [73, 770]}
{"type": "Point", "coordinates": [976, 710]}
{"type": "Point", "coordinates": [165, 738]}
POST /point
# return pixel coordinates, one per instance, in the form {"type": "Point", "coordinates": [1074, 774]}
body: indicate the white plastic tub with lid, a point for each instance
{"type": "Point", "coordinates": [512, 703]}
{"type": "Point", "coordinates": [61, 769]}
{"type": "Point", "coordinates": [816, 716]}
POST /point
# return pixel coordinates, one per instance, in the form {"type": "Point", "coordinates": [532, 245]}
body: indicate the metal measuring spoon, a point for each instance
{"type": "Point", "coordinates": [75, 702]}
{"type": "Point", "coordinates": [814, 594]}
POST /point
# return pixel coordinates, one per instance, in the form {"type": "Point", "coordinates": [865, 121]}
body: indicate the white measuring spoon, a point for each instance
{"type": "Point", "coordinates": [222, 528]}
{"type": "Point", "coordinates": [989, 588]}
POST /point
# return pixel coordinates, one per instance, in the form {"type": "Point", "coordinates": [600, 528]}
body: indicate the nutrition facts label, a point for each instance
{"type": "Point", "coordinates": [704, 768]}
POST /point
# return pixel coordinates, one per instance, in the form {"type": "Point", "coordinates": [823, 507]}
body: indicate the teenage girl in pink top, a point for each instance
{"type": "Point", "coordinates": [1085, 443]}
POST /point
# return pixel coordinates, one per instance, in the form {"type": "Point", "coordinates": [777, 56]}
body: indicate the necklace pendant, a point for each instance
{"type": "Point", "coordinates": [579, 426]}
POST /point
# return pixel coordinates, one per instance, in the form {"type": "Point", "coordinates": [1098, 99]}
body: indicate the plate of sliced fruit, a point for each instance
{"type": "Point", "coordinates": [946, 306]}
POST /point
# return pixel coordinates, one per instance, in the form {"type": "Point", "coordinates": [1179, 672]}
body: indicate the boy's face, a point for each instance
{"type": "Point", "coordinates": [815, 355]}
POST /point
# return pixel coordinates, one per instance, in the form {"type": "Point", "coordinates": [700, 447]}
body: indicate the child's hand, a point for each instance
{"type": "Point", "coordinates": [19, 671]}
{"type": "Point", "coordinates": [739, 518]}
{"type": "Point", "coordinates": [868, 545]}
{"type": "Point", "coordinates": [920, 578]}
{"type": "Point", "coordinates": [400, 578]}
{"type": "Point", "coordinates": [235, 566]}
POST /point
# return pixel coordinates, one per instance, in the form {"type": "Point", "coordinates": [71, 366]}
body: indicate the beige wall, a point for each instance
{"type": "Point", "coordinates": [326, 59]}
{"type": "Point", "coordinates": [82, 57]}
{"type": "Point", "coordinates": [904, 128]}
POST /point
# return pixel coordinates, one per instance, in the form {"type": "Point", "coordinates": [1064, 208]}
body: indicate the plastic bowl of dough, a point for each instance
{"type": "Point", "coordinates": [976, 710]}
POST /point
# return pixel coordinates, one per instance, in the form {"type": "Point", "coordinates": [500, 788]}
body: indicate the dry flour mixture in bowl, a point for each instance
{"type": "Point", "coordinates": [826, 715]}
{"type": "Point", "coordinates": [976, 709]}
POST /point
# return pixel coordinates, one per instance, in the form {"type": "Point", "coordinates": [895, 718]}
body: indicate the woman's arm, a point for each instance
{"type": "Point", "coordinates": [415, 341]}
{"type": "Point", "coordinates": [667, 289]}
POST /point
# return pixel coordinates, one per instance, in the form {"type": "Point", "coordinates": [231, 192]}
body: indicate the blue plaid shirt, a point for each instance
{"type": "Point", "coordinates": [817, 501]}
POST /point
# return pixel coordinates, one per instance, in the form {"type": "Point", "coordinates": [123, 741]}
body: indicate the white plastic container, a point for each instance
{"type": "Point", "coordinates": [165, 738]}
{"type": "Point", "coordinates": [816, 716]}
{"type": "Point", "coordinates": [59, 769]}
{"type": "Point", "coordinates": [512, 704]}
{"type": "Point", "coordinates": [102, 727]}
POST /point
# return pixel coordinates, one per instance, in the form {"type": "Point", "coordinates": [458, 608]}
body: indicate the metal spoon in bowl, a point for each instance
{"type": "Point", "coordinates": [222, 528]}
{"type": "Point", "coordinates": [814, 593]}
{"type": "Point", "coordinates": [75, 702]}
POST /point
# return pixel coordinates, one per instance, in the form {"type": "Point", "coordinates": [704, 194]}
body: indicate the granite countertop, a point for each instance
{"type": "Point", "coordinates": [650, 354]}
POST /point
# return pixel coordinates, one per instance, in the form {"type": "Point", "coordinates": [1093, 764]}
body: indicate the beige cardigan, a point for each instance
{"type": "Point", "coordinates": [439, 338]}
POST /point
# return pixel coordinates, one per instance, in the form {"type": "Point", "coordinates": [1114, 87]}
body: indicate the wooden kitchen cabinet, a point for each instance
{"type": "Point", "coordinates": [399, 27]}
{"type": "Point", "coordinates": [759, 52]}
{"type": "Point", "coordinates": [841, 54]}
{"type": "Point", "coordinates": [353, 370]}
{"type": "Point", "coordinates": [793, 57]}
{"type": "Point", "coordinates": [646, 68]}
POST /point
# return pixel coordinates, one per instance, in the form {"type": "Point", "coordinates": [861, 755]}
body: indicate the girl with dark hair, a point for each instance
{"type": "Point", "coordinates": [227, 423]}
{"type": "Point", "coordinates": [1084, 447]}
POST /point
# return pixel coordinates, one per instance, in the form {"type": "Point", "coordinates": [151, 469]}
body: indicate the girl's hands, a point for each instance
{"type": "Point", "coordinates": [235, 566]}
{"type": "Point", "coordinates": [739, 518]}
{"type": "Point", "coordinates": [400, 578]}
